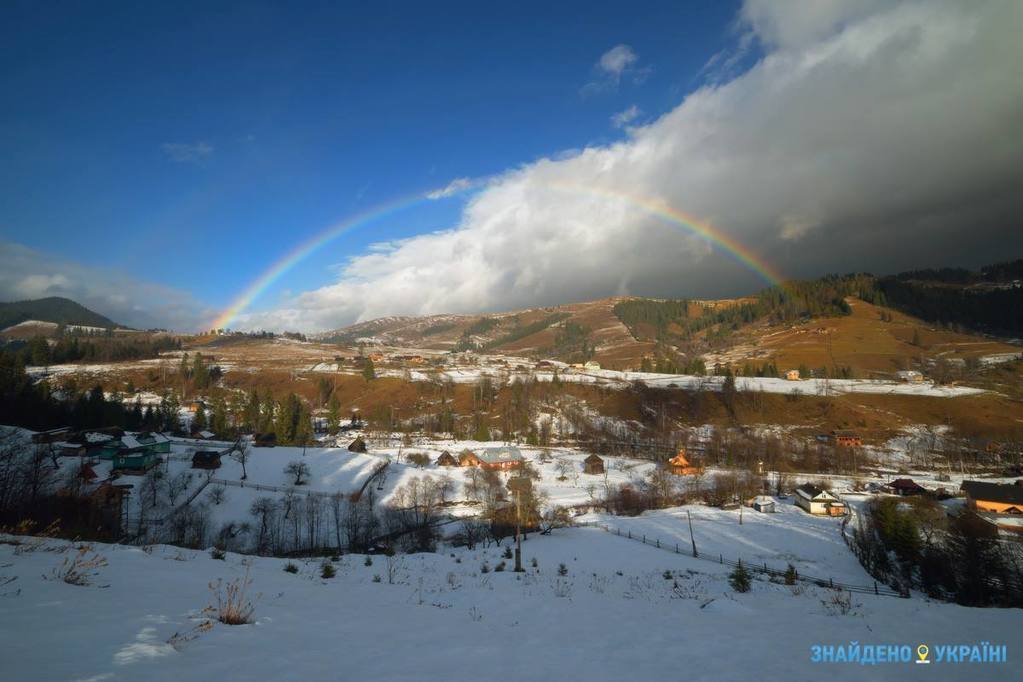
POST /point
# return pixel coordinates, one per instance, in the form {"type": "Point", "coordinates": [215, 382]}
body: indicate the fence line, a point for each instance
{"type": "Point", "coordinates": [754, 567]}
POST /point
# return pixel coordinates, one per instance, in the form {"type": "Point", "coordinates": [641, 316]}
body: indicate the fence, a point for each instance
{"type": "Point", "coordinates": [753, 567]}
{"type": "Point", "coordinates": [271, 488]}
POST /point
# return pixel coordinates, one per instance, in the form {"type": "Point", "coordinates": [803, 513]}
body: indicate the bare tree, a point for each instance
{"type": "Point", "coordinates": [298, 469]}
{"type": "Point", "coordinates": [241, 454]}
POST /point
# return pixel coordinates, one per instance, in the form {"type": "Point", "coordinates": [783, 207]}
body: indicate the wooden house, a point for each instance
{"type": "Point", "coordinates": [680, 465]}
{"type": "Point", "coordinates": [468, 458]}
{"type": "Point", "coordinates": [910, 376]}
{"type": "Point", "coordinates": [502, 458]}
{"type": "Point", "coordinates": [846, 439]}
{"type": "Point", "coordinates": [905, 487]}
{"type": "Point", "coordinates": [446, 460]}
{"type": "Point", "coordinates": [134, 460]}
{"type": "Point", "coordinates": [792, 375]}
{"type": "Point", "coordinates": [156, 443]}
{"type": "Point", "coordinates": [593, 465]}
{"type": "Point", "coordinates": [818, 501]}
{"type": "Point", "coordinates": [997, 498]}
{"type": "Point", "coordinates": [206, 459]}
{"type": "Point", "coordinates": [357, 445]}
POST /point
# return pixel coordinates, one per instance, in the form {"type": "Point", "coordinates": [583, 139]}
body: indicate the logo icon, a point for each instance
{"type": "Point", "coordinates": [922, 652]}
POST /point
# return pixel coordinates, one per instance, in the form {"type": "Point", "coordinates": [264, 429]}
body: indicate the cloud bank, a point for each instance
{"type": "Point", "coordinates": [27, 274]}
{"type": "Point", "coordinates": [868, 136]}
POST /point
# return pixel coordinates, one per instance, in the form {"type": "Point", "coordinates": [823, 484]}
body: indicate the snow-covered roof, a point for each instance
{"type": "Point", "coordinates": [499, 455]}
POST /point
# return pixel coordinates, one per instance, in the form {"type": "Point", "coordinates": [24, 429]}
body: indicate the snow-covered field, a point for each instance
{"type": "Point", "coordinates": [614, 616]}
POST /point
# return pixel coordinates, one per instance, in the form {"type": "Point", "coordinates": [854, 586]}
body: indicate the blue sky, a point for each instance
{"type": "Point", "coordinates": [155, 159]}
{"type": "Point", "coordinates": [193, 147]}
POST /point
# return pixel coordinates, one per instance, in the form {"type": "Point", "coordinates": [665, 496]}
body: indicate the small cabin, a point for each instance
{"type": "Point", "coordinates": [680, 465]}
{"type": "Point", "coordinates": [264, 440]}
{"type": "Point", "coordinates": [905, 487]}
{"type": "Point", "coordinates": [151, 442]}
{"type": "Point", "coordinates": [206, 459]}
{"type": "Point", "coordinates": [591, 365]}
{"type": "Point", "coordinates": [594, 465]}
{"type": "Point", "coordinates": [446, 459]}
{"type": "Point", "coordinates": [358, 445]}
{"type": "Point", "coordinates": [846, 439]}
{"type": "Point", "coordinates": [792, 375]}
{"type": "Point", "coordinates": [910, 376]}
{"type": "Point", "coordinates": [764, 504]}
{"type": "Point", "coordinates": [468, 458]}
{"type": "Point", "coordinates": [818, 501]}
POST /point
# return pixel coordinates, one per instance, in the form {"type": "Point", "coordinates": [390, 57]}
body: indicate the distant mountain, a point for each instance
{"type": "Point", "coordinates": [52, 309]}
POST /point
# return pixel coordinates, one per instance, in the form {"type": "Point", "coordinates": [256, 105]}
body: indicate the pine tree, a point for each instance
{"type": "Point", "coordinates": [740, 578]}
{"type": "Point", "coordinates": [368, 371]}
{"type": "Point", "coordinates": [334, 415]}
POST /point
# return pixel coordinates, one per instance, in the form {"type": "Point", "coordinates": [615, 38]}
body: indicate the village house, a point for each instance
{"type": "Point", "coordinates": [264, 440]}
{"type": "Point", "coordinates": [591, 365]}
{"type": "Point", "coordinates": [910, 376]}
{"type": "Point", "coordinates": [680, 466]}
{"type": "Point", "coordinates": [147, 441]}
{"type": "Point", "coordinates": [764, 503]}
{"type": "Point", "coordinates": [446, 459]}
{"type": "Point", "coordinates": [196, 405]}
{"type": "Point", "coordinates": [206, 459]}
{"type": "Point", "coordinates": [792, 375]}
{"type": "Point", "coordinates": [357, 445]}
{"type": "Point", "coordinates": [468, 458]}
{"type": "Point", "coordinates": [134, 460]}
{"type": "Point", "coordinates": [997, 498]}
{"type": "Point", "coordinates": [818, 501]}
{"type": "Point", "coordinates": [846, 439]}
{"type": "Point", "coordinates": [905, 487]}
{"type": "Point", "coordinates": [502, 458]}
{"type": "Point", "coordinates": [593, 465]}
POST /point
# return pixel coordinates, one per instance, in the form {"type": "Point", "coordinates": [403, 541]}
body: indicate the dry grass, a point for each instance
{"type": "Point", "coordinates": [81, 568]}
{"type": "Point", "coordinates": [230, 604]}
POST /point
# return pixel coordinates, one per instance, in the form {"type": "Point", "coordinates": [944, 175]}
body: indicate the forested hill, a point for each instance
{"type": "Point", "coordinates": [990, 300]}
{"type": "Point", "coordinates": [52, 309]}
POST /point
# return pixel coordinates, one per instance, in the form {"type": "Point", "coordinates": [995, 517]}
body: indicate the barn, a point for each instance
{"type": "Point", "coordinates": [593, 465]}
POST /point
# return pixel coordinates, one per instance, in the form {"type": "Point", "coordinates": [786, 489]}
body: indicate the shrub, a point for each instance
{"type": "Point", "coordinates": [290, 568]}
{"type": "Point", "coordinates": [667, 575]}
{"type": "Point", "coordinates": [507, 553]}
{"type": "Point", "coordinates": [499, 568]}
{"type": "Point", "coordinates": [368, 561]}
{"type": "Point", "coordinates": [327, 570]}
{"type": "Point", "coordinates": [484, 568]}
{"type": "Point", "coordinates": [218, 554]}
{"type": "Point", "coordinates": [533, 562]}
{"type": "Point", "coordinates": [740, 579]}
{"type": "Point", "coordinates": [376, 578]}
{"type": "Point", "coordinates": [230, 605]}
{"type": "Point", "coordinates": [562, 570]}
{"type": "Point", "coordinates": [790, 575]}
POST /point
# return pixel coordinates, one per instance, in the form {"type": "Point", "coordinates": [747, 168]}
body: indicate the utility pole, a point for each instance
{"type": "Point", "coordinates": [691, 536]}
{"type": "Point", "coordinates": [519, 484]}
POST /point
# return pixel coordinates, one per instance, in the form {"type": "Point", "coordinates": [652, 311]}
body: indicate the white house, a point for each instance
{"type": "Point", "coordinates": [591, 365]}
{"type": "Point", "coordinates": [817, 501]}
{"type": "Point", "coordinates": [910, 376]}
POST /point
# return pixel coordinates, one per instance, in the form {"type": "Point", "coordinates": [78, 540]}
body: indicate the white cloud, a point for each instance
{"type": "Point", "coordinates": [617, 60]}
{"type": "Point", "coordinates": [876, 141]}
{"type": "Point", "coordinates": [180, 152]}
{"type": "Point", "coordinates": [26, 274]}
{"type": "Point", "coordinates": [624, 118]}
{"type": "Point", "coordinates": [452, 188]}
{"type": "Point", "coordinates": [621, 61]}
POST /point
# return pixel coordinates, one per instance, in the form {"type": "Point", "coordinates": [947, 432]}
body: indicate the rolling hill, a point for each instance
{"type": "Point", "coordinates": [54, 310]}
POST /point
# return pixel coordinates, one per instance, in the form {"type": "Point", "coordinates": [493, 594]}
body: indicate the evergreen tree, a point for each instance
{"type": "Point", "coordinates": [369, 371]}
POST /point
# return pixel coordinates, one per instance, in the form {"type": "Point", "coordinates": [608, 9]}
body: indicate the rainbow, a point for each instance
{"type": "Point", "coordinates": [676, 217]}
{"type": "Point", "coordinates": [307, 248]}
{"type": "Point", "coordinates": [651, 206]}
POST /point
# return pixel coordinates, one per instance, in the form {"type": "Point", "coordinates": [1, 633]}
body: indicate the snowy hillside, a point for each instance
{"type": "Point", "coordinates": [622, 611]}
